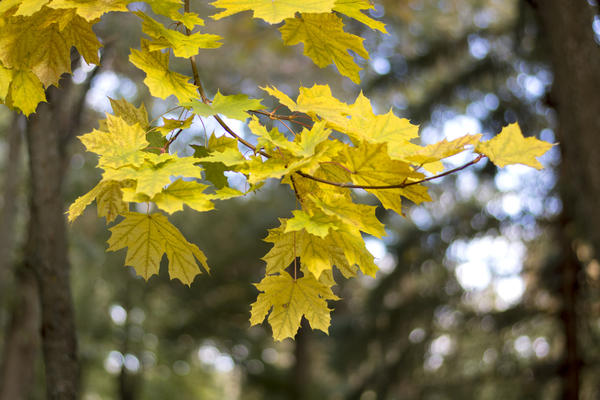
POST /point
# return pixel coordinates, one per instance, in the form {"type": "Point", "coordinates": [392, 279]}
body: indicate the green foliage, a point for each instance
{"type": "Point", "coordinates": [341, 147]}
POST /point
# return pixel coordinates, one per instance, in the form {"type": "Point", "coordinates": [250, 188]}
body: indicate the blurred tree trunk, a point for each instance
{"type": "Point", "coordinates": [19, 292]}
{"type": "Point", "coordinates": [46, 248]}
{"type": "Point", "coordinates": [21, 343]}
{"type": "Point", "coordinates": [9, 204]}
{"type": "Point", "coordinates": [575, 57]}
{"type": "Point", "coordinates": [301, 379]}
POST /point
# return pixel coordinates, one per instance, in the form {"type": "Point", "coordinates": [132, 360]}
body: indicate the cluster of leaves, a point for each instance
{"type": "Point", "coordinates": [341, 147]}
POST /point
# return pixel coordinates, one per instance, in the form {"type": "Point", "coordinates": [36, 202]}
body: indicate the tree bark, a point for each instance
{"type": "Point", "coordinates": [575, 58]}
{"type": "Point", "coordinates": [9, 205]}
{"type": "Point", "coordinates": [46, 248]}
{"type": "Point", "coordinates": [22, 341]}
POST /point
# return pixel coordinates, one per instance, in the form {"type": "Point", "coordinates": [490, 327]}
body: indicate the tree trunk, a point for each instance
{"type": "Point", "coordinates": [9, 205]}
{"type": "Point", "coordinates": [46, 248]}
{"type": "Point", "coordinates": [22, 340]}
{"type": "Point", "coordinates": [575, 58]}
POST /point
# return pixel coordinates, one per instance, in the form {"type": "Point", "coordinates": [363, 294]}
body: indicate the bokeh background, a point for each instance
{"type": "Point", "coordinates": [470, 300]}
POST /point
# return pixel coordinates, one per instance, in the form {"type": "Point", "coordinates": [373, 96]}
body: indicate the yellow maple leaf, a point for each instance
{"type": "Point", "coordinates": [170, 8]}
{"type": "Point", "coordinates": [281, 255]}
{"type": "Point", "coordinates": [353, 8]}
{"type": "Point", "coordinates": [370, 165]}
{"type": "Point", "coordinates": [355, 216]}
{"type": "Point", "coordinates": [182, 45]}
{"type": "Point", "coordinates": [161, 81]}
{"type": "Point", "coordinates": [510, 147]}
{"type": "Point", "coordinates": [152, 177]}
{"type": "Point", "coordinates": [109, 198]}
{"type": "Point", "coordinates": [129, 113]}
{"type": "Point", "coordinates": [25, 92]}
{"type": "Point", "coordinates": [5, 79]}
{"type": "Point", "coordinates": [30, 7]}
{"type": "Point", "coordinates": [120, 146]}
{"type": "Point", "coordinates": [91, 9]}
{"type": "Point", "coordinates": [272, 11]}
{"type": "Point", "coordinates": [325, 41]}
{"type": "Point", "coordinates": [315, 223]}
{"type": "Point", "coordinates": [232, 106]}
{"type": "Point", "coordinates": [289, 300]}
{"type": "Point", "coordinates": [148, 238]}
{"type": "Point", "coordinates": [440, 150]}
{"type": "Point", "coordinates": [181, 192]}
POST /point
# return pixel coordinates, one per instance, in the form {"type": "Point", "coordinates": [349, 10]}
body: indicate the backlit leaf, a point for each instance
{"type": "Point", "coordinates": [289, 300]}
{"type": "Point", "coordinates": [233, 106]}
{"type": "Point", "coordinates": [148, 238]}
{"type": "Point", "coordinates": [120, 146]}
{"type": "Point", "coordinates": [325, 42]}
{"type": "Point", "coordinates": [272, 11]}
{"type": "Point", "coordinates": [353, 8]}
{"type": "Point", "coordinates": [510, 147]}
{"type": "Point", "coordinates": [161, 81]}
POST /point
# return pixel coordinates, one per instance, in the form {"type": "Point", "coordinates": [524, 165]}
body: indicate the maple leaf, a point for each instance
{"type": "Point", "coordinates": [355, 251]}
{"type": "Point", "coordinates": [152, 177]}
{"type": "Point", "coordinates": [29, 7]}
{"type": "Point", "coordinates": [25, 92]}
{"type": "Point", "coordinates": [370, 165]}
{"type": "Point", "coordinates": [109, 198]}
{"type": "Point", "coordinates": [170, 8]}
{"type": "Point", "coordinates": [355, 216]}
{"type": "Point", "coordinates": [129, 113]}
{"type": "Point", "coordinates": [315, 223]}
{"type": "Point", "coordinates": [181, 192]}
{"type": "Point", "coordinates": [5, 79]}
{"type": "Point", "coordinates": [272, 11]}
{"type": "Point", "coordinates": [233, 106]}
{"type": "Point", "coordinates": [356, 120]}
{"type": "Point", "coordinates": [325, 42]}
{"type": "Point", "coordinates": [183, 45]}
{"type": "Point", "coordinates": [283, 252]}
{"type": "Point", "coordinates": [148, 238]}
{"type": "Point", "coordinates": [289, 300]}
{"type": "Point", "coordinates": [91, 9]}
{"type": "Point", "coordinates": [510, 147]}
{"type": "Point", "coordinates": [161, 81]}
{"type": "Point", "coordinates": [353, 8]}
{"type": "Point", "coordinates": [215, 171]}
{"type": "Point", "coordinates": [120, 146]}
{"type": "Point", "coordinates": [438, 151]}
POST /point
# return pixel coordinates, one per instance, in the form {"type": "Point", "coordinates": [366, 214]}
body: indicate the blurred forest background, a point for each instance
{"type": "Point", "coordinates": [490, 292]}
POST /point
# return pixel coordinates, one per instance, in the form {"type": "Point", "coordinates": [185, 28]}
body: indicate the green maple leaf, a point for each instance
{"type": "Point", "coordinates": [120, 146]}
{"type": "Point", "coordinates": [161, 81]}
{"type": "Point", "coordinates": [289, 300]}
{"type": "Point", "coordinates": [148, 238]}
{"type": "Point", "coordinates": [510, 147]}
{"type": "Point", "coordinates": [233, 106]}
{"type": "Point", "coordinates": [353, 8]}
{"type": "Point", "coordinates": [272, 11]}
{"type": "Point", "coordinates": [325, 42]}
